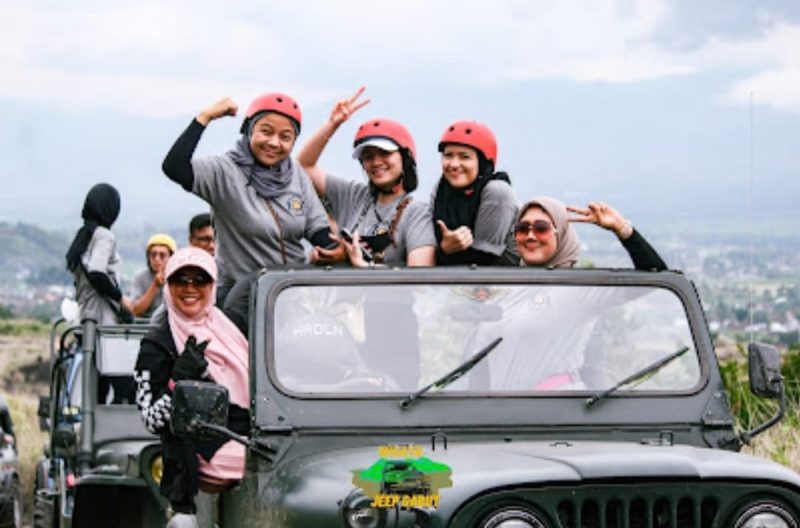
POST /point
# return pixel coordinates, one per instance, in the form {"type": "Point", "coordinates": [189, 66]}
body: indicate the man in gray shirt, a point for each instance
{"type": "Point", "coordinates": [147, 283]}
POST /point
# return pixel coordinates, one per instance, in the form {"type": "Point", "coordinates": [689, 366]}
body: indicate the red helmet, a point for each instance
{"type": "Point", "coordinates": [472, 134]}
{"type": "Point", "coordinates": [388, 129]}
{"type": "Point", "coordinates": [274, 102]}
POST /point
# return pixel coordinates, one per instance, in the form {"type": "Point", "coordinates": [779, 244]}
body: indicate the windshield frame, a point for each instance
{"type": "Point", "coordinates": [273, 283]}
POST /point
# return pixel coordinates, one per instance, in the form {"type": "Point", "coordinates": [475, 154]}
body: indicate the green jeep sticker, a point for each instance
{"type": "Point", "coordinates": [403, 477]}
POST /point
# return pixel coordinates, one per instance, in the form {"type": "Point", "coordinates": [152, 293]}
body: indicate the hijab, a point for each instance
{"type": "Point", "coordinates": [459, 207]}
{"type": "Point", "coordinates": [267, 181]}
{"type": "Point", "coordinates": [226, 353]}
{"type": "Point", "coordinates": [568, 245]}
{"type": "Point", "coordinates": [101, 208]}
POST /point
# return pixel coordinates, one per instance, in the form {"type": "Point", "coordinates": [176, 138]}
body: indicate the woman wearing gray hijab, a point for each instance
{"type": "Point", "coordinates": [545, 238]}
{"type": "Point", "coordinates": [263, 203]}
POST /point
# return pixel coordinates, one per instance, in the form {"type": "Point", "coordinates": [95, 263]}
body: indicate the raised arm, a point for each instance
{"type": "Point", "coordinates": [178, 163]}
{"type": "Point", "coordinates": [142, 303]}
{"type": "Point", "coordinates": [642, 254]}
{"type": "Point", "coordinates": [309, 155]}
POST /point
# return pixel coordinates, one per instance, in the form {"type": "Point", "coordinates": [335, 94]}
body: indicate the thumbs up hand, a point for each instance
{"type": "Point", "coordinates": [456, 240]}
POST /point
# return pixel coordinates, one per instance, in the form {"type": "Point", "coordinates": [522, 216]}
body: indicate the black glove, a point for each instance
{"type": "Point", "coordinates": [191, 364]}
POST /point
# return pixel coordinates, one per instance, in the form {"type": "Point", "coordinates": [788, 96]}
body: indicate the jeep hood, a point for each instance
{"type": "Point", "coordinates": [480, 467]}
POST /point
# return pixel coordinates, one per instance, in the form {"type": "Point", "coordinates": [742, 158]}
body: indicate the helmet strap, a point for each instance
{"type": "Point", "coordinates": [392, 189]}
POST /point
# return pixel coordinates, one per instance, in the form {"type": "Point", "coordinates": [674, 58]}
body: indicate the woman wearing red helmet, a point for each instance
{"type": "Point", "coordinates": [262, 201]}
{"type": "Point", "coordinates": [474, 207]}
{"type": "Point", "coordinates": [380, 214]}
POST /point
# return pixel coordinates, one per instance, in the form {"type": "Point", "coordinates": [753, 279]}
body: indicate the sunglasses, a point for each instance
{"type": "Point", "coordinates": [159, 254]}
{"type": "Point", "coordinates": [539, 227]}
{"type": "Point", "coordinates": [199, 280]}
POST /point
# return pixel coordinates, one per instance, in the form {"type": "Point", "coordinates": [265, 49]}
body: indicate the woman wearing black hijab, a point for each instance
{"type": "Point", "coordinates": [94, 262]}
{"type": "Point", "coordinates": [473, 206]}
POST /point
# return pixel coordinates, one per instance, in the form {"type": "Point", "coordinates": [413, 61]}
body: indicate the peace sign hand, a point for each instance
{"type": "Point", "coordinates": [344, 108]}
{"type": "Point", "coordinates": [604, 215]}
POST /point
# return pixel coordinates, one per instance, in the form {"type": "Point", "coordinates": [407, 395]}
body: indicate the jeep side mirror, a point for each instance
{"type": "Point", "coordinates": [43, 412]}
{"type": "Point", "coordinates": [764, 364]}
{"type": "Point", "coordinates": [198, 408]}
{"type": "Point", "coordinates": [200, 411]}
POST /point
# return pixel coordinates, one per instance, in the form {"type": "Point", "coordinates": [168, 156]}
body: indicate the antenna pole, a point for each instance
{"type": "Point", "coordinates": [752, 221]}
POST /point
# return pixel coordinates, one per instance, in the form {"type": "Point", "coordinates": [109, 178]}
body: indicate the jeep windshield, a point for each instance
{"type": "Point", "coordinates": [375, 339]}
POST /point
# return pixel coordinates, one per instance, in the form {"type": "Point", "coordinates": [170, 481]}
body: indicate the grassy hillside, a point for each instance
{"type": "Point", "coordinates": [31, 254]}
{"type": "Point", "coordinates": [36, 256]}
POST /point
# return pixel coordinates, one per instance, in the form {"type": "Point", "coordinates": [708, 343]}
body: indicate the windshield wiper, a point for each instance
{"type": "Point", "coordinates": [453, 375]}
{"type": "Point", "coordinates": [655, 367]}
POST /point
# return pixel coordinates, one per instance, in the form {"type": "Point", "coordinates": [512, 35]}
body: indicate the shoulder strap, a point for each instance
{"type": "Point", "coordinates": [280, 230]}
{"type": "Point", "coordinates": [398, 213]}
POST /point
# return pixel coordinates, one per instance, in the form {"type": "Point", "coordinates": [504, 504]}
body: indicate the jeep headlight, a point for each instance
{"type": "Point", "coordinates": [765, 514]}
{"type": "Point", "coordinates": [356, 511]}
{"type": "Point", "coordinates": [514, 518]}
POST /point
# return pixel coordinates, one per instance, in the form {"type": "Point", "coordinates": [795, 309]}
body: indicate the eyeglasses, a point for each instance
{"type": "Point", "coordinates": [204, 240]}
{"type": "Point", "coordinates": [539, 227]}
{"type": "Point", "coordinates": [159, 254]}
{"type": "Point", "coordinates": [199, 280]}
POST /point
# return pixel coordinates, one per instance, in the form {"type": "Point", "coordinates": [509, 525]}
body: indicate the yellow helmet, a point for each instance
{"type": "Point", "coordinates": [161, 239]}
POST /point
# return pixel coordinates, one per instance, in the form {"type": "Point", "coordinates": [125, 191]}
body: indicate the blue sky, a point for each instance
{"type": "Point", "coordinates": [645, 104]}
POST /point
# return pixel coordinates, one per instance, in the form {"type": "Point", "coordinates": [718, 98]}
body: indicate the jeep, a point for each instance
{"type": "Point", "coordinates": [544, 398]}
{"type": "Point", "coordinates": [101, 467]}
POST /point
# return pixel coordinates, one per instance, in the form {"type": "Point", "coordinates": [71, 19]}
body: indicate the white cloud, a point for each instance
{"type": "Point", "coordinates": [777, 88]}
{"type": "Point", "coordinates": [778, 78]}
{"type": "Point", "coordinates": [158, 59]}
{"type": "Point", "coordinates": [145, 60]}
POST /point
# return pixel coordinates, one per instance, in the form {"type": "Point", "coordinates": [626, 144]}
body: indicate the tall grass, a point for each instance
{"type": "Point", "coordinates": [30, 442]}
{"type": "Point", "coordinates": [21, 327]}
{"type": "Point", "coordinates": [24, 343]}
{"type": "Point", "coordinates": [781, 442]}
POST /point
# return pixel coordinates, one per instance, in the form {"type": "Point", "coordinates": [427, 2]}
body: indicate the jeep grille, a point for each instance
{"type": "Point", "coordinates": [643, 504]}
{"type": "Point", "coordinates": [639, 512]}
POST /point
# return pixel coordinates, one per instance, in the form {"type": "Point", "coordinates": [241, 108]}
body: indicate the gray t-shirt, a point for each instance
{"type": "Point", "coordinates": [247, 236]}
{"type": "Point", "coordinates": [348, 201]}
{"type": "Point", "coordinates": [141, 282]}
{"type": "Point", "coordinates": [101, 255]}
{"type": "Point", "coordinates": [494, 223]}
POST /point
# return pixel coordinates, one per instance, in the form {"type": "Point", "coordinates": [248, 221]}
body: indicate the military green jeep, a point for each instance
{"type": "Point", "coordinates": [100, 467]}
{"type": "Point", "coordinates": [543, 398]}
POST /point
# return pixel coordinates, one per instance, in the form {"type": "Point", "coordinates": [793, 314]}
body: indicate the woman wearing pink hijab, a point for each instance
{"type": "Point", "coordinates": [197, 341]}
